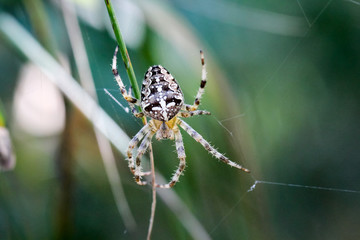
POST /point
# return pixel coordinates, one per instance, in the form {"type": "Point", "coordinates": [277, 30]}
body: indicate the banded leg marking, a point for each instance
{"type": "Point", "coordinates": [181, 155]}
{"type": "Point", "coordinates": [186, 107]}
{"type": "Point", "coordinates": [141, 151]}
{"type": "Point", "coordinates": [194, 113]}
{"type": "Point", "coordinates": [202, 83]}
{"type": "Point", "coordinates": [133, 143]}
{"type": "Point", "coordinates": [208, 147]}
{"type": "Point", "coordinates": [134, 111]}
{"type": "Point", "coordinates": [127, 96]}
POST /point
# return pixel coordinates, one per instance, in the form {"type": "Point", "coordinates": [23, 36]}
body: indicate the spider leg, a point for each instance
{"type": "Point", "coordinates": [202, 84]}
{"type": "Point", "coordinates": [135, 111]}
{"type": "Point", "coordinates": [131, 100]}
{"type": "Point", "coordinates": [186, 107]}
{"type": "Point", "coordinates": [133, 108]}
{"type": "Point", "coordinates": [181, 155]}
{"type": "Point", "coordinates": [207, 146]}
{"type": "Point", "coordinates": [133, 143]}
{"type": "Point", "coordinates": [142, 149]}
{"type": "Point", "coordinates": [193, 113]}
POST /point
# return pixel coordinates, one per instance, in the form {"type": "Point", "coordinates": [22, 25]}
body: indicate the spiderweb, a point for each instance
{"type": "Point", "coordinates": [331, 190]}
{"type": "Point", "coordinates": [294, 124]}
{"type": "Point", "coordinates": [319, 196]}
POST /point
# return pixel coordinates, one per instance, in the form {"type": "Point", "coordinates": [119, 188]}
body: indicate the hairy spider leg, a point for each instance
{"type": "Point", "coordinates": [130, 99]}
{"type": "Point", "coordinates": [208, 147]}
{"type": "Point", "coordinates": [133, 143]}
{"type": "Point", "coordinates": [181, 155]}
{"type": "Point", "coordinates": [193, 113]}
{"type": "Point", "coordinates": [141, 151]}
{"type": "Point", "coordinates": [202, 84]}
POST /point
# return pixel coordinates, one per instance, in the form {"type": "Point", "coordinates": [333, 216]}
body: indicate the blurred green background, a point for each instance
{"type": "Point", "coordinates": [284, 93]}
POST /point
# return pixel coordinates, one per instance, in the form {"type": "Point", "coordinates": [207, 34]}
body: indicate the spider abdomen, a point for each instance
{"type": "Point", "coordinates": [161, 96]}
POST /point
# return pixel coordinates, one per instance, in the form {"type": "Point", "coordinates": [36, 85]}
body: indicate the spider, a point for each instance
{"type": "Point", "coordinates": [163, 101]}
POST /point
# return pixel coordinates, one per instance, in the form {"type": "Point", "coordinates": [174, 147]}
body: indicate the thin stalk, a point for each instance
{"type": "Point", "coordinates": [40, 23]}
{"type": "Point", "coordinates": [135, 87]}
{"type": "Point", "coordinates": [87, 82]}
{"type": "Point", "coordinates": [123, 49]}
{"type": "Point", "coordinates": [153, 188]}
{"type": "Point", "coordinates": [2, 119]}
{"type": "Point", "coordinates": [64, 159]}
{"type": "Point", "coordinates": [14, 35]}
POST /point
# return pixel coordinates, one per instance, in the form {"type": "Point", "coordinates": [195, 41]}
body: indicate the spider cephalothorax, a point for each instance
{"type": "Point", "coordinates": [163, 101]}
{"type": "Point", "coordinates": [161, 96]}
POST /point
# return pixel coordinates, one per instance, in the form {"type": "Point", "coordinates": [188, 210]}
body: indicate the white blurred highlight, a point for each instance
{"type": "Point", "coordinates": [7, 157]}
{"type": "Point", "coordinates": [39, 108]}
{"type": "Point", "coordinates": [131, 21]}
{"type": "Point", "coordinates": [131, 18]}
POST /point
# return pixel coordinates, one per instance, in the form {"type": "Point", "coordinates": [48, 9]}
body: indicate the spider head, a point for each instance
{"type": "Point", "coordinates": [164, 132]}
{"type": "Point", "coordinates": [161, 96]}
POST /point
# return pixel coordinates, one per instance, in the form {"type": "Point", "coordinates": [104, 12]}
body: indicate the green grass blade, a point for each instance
{"type": "Point", "coordinates": [123, 49]}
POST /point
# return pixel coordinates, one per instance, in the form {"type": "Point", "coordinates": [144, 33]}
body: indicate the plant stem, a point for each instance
{"type": "Point", "coordinates": [64, 160]}
{"type": "Point", "coordinates": [123, 49]}
{"type": "Point", "coordinates": [135, 87]}
{"type": "Point", "coordinates": [2, 120]}
{"type": "Point", "coordinates": [16, 37]}
{"type": "Point", "coordinates": [87, 82]}
{"type": "Point", "coordinates": [153, 187]}
{"type": "Point", "coordinates": [40, 23]}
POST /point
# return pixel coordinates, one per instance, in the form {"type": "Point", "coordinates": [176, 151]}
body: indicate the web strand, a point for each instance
{"type": "Point", "coordinates": [257, 182]}
{"type": "Point", "coordinates": [353, 1]}
{"type": "Point", "coordinates": [303, 12]}
{"type": "Point", "coordinates": [228, 213]}
{"type": "Point", "coordinates": [222, 125]}
{"type": "Point", "coordinates": [272, 76]}
{"type": "Point", "coordinates": [231, 118]}
{"type": "Point", "coordinates": [252, 188]}
{"type": "Point", "coordinates": [126, 109]}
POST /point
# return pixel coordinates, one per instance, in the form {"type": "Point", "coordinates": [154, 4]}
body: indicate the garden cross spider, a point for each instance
{"type": "Point", "coordinates": [163, 101]}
